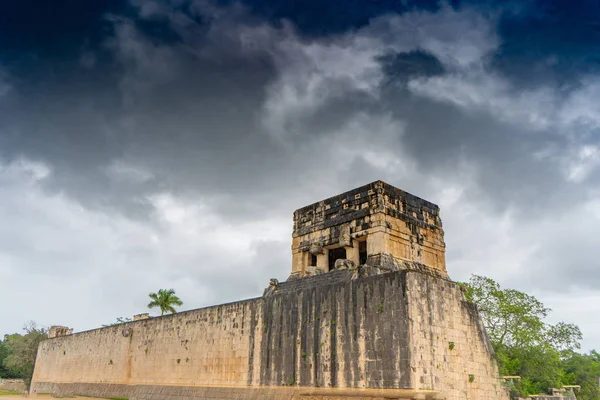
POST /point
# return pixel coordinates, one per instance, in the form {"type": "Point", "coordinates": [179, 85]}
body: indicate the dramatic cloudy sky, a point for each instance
{"type": "Point", "coordinates": [149, 144]}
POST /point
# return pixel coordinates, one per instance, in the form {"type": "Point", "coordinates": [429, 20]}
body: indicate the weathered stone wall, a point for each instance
{"type": "Point", "coordinates": [209, 346]}
{"type": "Point", "coordinates": [335, 330]}
{"type": "Point", "coordinates": [450, 349]}
{"type": "Point", "coordinates": [377, 196]}
{"type": "Point", "coordinates": [17, 385]}
{"type": "Point", "coordinates": [330, 331]}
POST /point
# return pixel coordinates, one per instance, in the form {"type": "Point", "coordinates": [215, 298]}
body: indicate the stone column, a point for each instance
{"type": "Point", "coordinates": [323, 260]}
{"type": "Point", "coordinates": [352, 253]}
{"type": "Point", "coordinates": [377, 243]}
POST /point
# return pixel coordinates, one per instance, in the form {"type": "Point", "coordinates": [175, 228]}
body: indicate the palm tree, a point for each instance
{"type": "Point", "coordinates": [165, 299]}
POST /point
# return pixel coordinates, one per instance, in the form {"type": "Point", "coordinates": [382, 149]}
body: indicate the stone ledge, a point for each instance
{"type": "Point", "coordinates": [164, 392]}
{"type": "Point", "coordinates": [388, 265]}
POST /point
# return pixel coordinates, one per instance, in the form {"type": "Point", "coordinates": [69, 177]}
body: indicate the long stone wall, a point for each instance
{"type": "Point", "coordinates": [374, 337]}
{"type": "Point", "coordinates": [16, 385]}
{"type": "Point", "coordinates": [208, 346]}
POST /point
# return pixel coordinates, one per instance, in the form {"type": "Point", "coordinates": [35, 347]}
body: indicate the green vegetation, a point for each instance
{"type": "Point", "coordinates": [165, 299]}
{"type": "Point", "coordinates": [544, 355]}
{"type": "Point", "coordinates": [4, 352]}
{"type": "Point", "coordinates": [9, 393]}
{"type": "Point", "coordinates": [584, 370]}
{"type": "Point", "coordinates": [18, 353]}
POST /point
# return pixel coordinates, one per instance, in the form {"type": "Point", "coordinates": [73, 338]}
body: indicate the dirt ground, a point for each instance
{"type": "Point", "coordinates": [15, 397]}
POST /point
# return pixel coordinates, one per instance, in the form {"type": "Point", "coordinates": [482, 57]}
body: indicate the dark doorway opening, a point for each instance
{"type": "Point", "coordinates": [336, 254]}
{"type": "Point", "coordinates": [313, 260]}
{"type": "Point", "coordinates": [362, 252]}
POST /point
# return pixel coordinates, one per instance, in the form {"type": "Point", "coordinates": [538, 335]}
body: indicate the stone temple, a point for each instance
{"type": "Point", "coordinates": [368, 312]}
{"type": "Point", "coordinates": [375, 224]}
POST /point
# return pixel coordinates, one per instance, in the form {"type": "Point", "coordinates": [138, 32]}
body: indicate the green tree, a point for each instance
{"type": "Point", "coordinates": [523, 342]}
{"type": "Point", "coordinates": [165, 299]}
{"type": "Point", "coordinates": [538, 365]}
{"type": "Point", "coordinates": [22, 351]}
{"type": "Point", "coordinates": [584, 370]}
{"type": "Point", "coordinates": [516, 319]}
{"type": "Point", "coordinates": [4, 352]}
{"type": "Point", "coordinates": [563, 337]}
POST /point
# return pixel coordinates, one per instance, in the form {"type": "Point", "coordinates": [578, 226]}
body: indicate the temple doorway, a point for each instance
{"type": "Point", "coordinates": [336, 254]}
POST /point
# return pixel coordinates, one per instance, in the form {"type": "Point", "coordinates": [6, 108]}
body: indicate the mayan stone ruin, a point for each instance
{"type": "Point", "coordinates": [368, 312]}
{"type": "Point", "coordinates": [376, 225]}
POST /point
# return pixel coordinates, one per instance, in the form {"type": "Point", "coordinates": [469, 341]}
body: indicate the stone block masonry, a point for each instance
{"type": "Point", "coordinates": [390, 331]}
{"type": "Point", "coordinates": [375, 224]}
{"type": "Point", "coordinates": [16, 385]}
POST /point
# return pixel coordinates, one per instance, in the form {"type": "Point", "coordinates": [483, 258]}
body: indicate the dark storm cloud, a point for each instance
{"type": "Point", "coordinates": [553, 41]}
{"type": "Point", "coordinates": [184, 113]}
{"type": "Point", "coordinates": [185, 100]}
{"type": "Point", "coordinates": [405, 66]}
{"type": "Point", "coordinates": [207, 86]}
{"type": "Point", "coordinates": [185, 133]}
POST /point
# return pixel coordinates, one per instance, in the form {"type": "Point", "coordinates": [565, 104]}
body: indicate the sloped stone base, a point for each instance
{"type": "Point", "coordinates": [159, 392]}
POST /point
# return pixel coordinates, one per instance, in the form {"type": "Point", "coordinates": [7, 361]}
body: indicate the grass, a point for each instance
{"type": "Point", "coordinates": [9, 393]}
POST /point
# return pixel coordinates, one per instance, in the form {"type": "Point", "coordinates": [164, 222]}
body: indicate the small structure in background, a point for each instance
{"type": "Point", "coordinates": [58, 330]}
{"type": "Point", "coordinates": [566, 392]}
{"type": "Point", "coordinates": [141, 316]}
{"type": "Point", "coordinates": [511, 378]}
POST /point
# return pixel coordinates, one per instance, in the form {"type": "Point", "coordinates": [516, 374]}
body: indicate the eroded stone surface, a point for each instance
{"type": "Point", "coordinates": [141, 316]}
{"type": "Point", "coordinates": [57, 330]}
